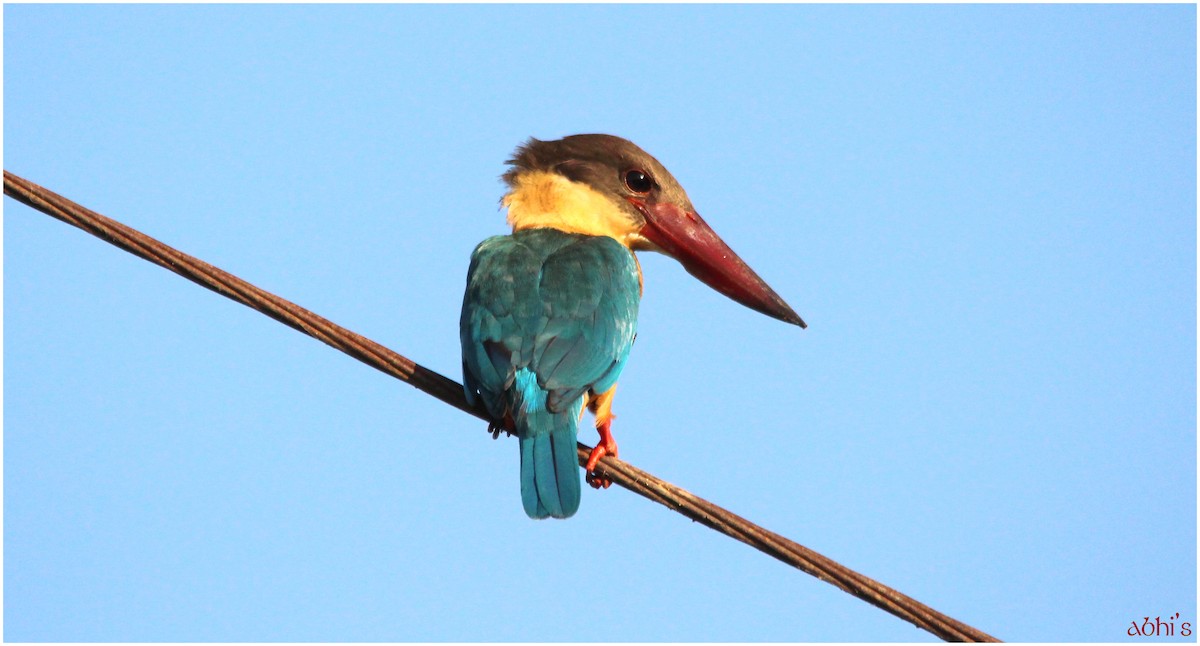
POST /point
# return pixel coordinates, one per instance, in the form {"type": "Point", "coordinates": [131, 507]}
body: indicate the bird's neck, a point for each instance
{"type": "Point", "coordinates": [547, 200]}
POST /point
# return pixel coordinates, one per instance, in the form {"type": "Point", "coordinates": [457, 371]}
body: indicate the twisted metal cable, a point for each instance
{"type": "Point", "coordinates": [450, 392]}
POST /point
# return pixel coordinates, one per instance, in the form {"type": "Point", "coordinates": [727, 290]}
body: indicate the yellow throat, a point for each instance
{"type": "Point", "coordinates": [546, 200]}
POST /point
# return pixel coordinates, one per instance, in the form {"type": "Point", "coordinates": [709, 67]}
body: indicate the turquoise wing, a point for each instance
{"type": "Point", "coordinates": [563, 305]}
{"type": "Point", "coordinates": [592, 290]}
{"type": "Point", "coordinates": [500, 306]}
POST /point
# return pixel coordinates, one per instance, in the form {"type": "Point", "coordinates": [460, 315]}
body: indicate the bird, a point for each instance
{"type": "Point", "coordinates": [550, 311]}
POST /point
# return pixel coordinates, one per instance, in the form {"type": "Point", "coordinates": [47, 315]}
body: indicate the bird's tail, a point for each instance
{"type": "Point", "coordinates": [549, 464]}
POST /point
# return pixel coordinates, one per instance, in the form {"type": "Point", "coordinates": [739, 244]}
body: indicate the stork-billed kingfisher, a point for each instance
{"type": "Point", "coordinates": [550, 311]}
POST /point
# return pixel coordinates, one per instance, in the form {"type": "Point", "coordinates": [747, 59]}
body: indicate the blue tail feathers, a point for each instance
{"type": "Point", "coordinates": [550, 482]}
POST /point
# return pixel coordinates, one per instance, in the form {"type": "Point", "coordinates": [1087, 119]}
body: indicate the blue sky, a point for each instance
{"type": "Point", "coordinates": [986, 214]}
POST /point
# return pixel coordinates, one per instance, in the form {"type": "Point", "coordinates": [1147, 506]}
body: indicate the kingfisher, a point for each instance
{"type": "Point", "coordinates": [550, 311]}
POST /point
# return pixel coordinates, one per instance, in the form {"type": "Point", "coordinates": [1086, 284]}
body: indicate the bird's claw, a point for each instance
{"type": "Point", "coordinates": [498, 426]}
{"type": "Point", "coordinates": [597, 481]}
{"type": "Point", "coordinates": [606, 446]}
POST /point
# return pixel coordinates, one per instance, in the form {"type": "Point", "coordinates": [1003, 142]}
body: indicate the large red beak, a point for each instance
{"type": "Point", "coordinates": [687, 238]}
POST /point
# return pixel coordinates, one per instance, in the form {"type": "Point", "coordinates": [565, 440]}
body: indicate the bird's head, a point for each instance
{"type": "Point", "coordinates": [606, 185]}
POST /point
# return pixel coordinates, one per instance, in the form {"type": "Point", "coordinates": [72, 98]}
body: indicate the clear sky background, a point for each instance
{"type": "Point", "coordinates": [987, 215]}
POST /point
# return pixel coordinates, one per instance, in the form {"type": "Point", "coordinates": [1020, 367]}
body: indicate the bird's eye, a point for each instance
{"type": "Point", "coordinates": [638, 181]}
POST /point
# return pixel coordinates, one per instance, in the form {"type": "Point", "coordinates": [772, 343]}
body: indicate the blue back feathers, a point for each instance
{"type": "Point", "coordinates": [547, 316]}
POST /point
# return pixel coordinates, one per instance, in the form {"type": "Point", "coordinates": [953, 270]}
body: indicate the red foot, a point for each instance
{"type": "Point", "coordinates": [606, 446]}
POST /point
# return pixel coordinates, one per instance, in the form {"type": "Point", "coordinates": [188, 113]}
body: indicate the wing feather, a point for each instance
{"type": "Point", "coordinates": [564, 305]}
